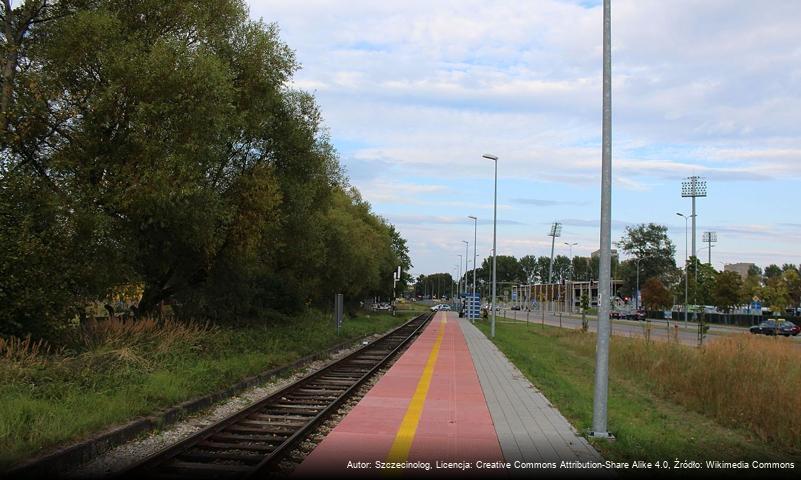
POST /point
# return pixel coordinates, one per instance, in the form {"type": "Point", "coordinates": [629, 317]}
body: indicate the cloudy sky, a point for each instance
{"type": "Point", "coordinates": [414, 92]}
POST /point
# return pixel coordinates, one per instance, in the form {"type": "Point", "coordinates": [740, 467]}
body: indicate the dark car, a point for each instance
{"type": "Point", "coordinates": [638, 315]}
{"type": "Point", "coordinates": [515, 307]}
{"type": "Point", "coordinates": [774, 327]}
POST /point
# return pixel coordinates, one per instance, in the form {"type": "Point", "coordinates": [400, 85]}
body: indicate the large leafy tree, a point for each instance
{"type": "Point", "coordinates": [655, 295]}
{"type": "Point", "coordinates": [792, 280]}
{"type": "Point", "coordinates": [650, 244]}
{"type": "Point", "coordinates": [529, 265]}
{"type": "Point", "coordinates": [582, 268]}
{"type": "Point", "coordinates": [403, 260]}
{"type": "Point", "coordinates": [436, 284]}
{"type": "Point", "coordinates": [701, 282]}
{"type": "Point", "coordinates": [160, 143]}
{"type": "Point", "coordinates": [359, 260]}
{"type": "Point", "coordinates": [561, 268]}
{"type": "Point", "coordinates": [726, 293]}
{"type": "Point", "coordinates": [542, 269]}
{"type": "Point", "coordinates": [775, 296]}
{"type": "Point", "coordinates": [751, 285]}
{"type": "Point", "coordinates": [507, 269]}
{"type": "Point", "coordinates": [772, 271]}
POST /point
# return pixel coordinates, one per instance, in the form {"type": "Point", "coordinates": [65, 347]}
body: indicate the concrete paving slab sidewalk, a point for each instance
{"type": "Point", "coordinates": [529, 428]}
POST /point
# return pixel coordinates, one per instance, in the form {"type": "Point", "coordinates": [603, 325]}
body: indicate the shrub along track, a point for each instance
{"type": "Point", "coordinates": [255, 440]}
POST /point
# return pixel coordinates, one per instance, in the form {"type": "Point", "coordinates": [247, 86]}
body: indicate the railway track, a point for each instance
{"type": "Point", "coordinates": [253, 441]}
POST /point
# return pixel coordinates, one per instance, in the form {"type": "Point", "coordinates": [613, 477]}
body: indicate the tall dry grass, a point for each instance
{"type": "Point", "coordinates": [160, 335]}
{"type": "Point", "coordinates": [24, 350]}
{"type": "Point", "coordinates": [742, 381]}
{"type": "Point", "coordinates": [104, 343]}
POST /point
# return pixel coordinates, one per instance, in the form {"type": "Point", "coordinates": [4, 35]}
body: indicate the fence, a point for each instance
{"type": "Point", "coordinates": [736, 319]}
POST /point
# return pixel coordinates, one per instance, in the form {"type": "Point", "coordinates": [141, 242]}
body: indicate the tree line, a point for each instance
{"type": "Point", "coordinates": [650, 252]}
{"type": "Point", "coordinates": [162, 144]}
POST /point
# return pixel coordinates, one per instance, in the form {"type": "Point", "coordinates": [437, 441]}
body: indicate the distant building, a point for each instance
{"type": "Point", "coordinates": [741, 268]}
{"type": "Point", "coordinates": [562, 296]}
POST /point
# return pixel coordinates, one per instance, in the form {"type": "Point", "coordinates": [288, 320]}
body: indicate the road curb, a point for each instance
{"type": "Point", "coordinates": [72, 456]}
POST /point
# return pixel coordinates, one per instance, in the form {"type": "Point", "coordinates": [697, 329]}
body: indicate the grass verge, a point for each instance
{"type": "Point", "coordinates": [113, 372]}
{"type": "Point", "coordinates": [667, 401]}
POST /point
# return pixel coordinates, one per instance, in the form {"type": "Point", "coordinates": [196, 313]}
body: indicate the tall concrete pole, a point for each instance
{"type": "Point", "coordinates": [459, 280]}
{"type": "Point", "coordinates": [475, 257]}
{"type": "Point", "coordinates": [601, 392]}
{"type": "Point", "coordinates": [494, 242]}
{"type": "Point", "coordinates": [494, 249]}
{"type": "Point", "coordinates": [466, 248]}
{"type": "Point", "coordinates": [550, 267]}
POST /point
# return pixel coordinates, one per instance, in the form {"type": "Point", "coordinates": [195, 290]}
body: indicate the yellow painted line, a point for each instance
{"type": "Point", "coordinates": [408, 427]}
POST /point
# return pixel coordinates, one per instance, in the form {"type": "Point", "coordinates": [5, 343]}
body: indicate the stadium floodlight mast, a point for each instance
{"type": "Point", "coordinates": [489, 156]}
{"type": "Point", "coordinates": [710, 238]}
{"type": "Point", "coordinates": [694, 187]}
{"type": "Point", "coordinates": [475, 265]}
{"type": "Point", "coordinates": [601, 388]}
{"type": "Point", "coordinates": [556, 231]}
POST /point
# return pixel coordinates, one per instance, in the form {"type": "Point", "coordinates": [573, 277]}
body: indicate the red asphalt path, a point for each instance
{"type": "Point", "coordinates": [455, 424]}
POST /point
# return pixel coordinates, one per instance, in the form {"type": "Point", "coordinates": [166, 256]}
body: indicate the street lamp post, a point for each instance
{"type": "Point", "coordinates": [494, 238]}
{"type": "Point", "coordinates": [601, 386]}
{"type": "Point", "coordinates": [572, 290]}
{"type": "Point", "coordinates": [466, 248]}
{"type": "Point", "coordinates": [459, 280]}
{"type": "Point", "coordinates": [452, 282]}
{"type": "Point", "coordinates": [686, 260]}
{"type": "Point", "coordinates": [637, 293]}
{"type": "Point", "coordinates": [710, 238]}
{"type": "Point", "coordinates": [475, 240]}
{"type": "Point", "coordinates": [571, 245]}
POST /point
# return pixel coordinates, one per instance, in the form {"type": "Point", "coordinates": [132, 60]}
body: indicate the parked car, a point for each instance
{"type": "Point", "coordinates": [441, 306]}
{"type": "Point", "coordinates": [615, 314]}
{"type": "Point", "coordinates": [515, 307]}
{"type": "Point", "coordinates": [636, 315]}
{"type": "Point", "coordinates": [383, 306]}
{"type": "Point", "coordinates": [776, 327]}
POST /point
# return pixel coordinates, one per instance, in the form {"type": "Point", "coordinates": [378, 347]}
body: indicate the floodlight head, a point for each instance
{"type": "Point", "coordinates": [693, 187]}
{"type": "Point", "coordinates": [490, 156]}
{"type": "Point", "coordinates": [556, 230]}
{"type": "Point", "coordinates": [710, 237]}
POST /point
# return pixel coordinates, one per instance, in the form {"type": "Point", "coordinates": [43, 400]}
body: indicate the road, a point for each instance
{"type": "Point", "coordinates": [660, 329]}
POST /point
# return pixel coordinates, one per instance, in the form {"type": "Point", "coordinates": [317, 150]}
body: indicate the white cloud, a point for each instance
{"type": "Point", "coordinates": [419, 89]}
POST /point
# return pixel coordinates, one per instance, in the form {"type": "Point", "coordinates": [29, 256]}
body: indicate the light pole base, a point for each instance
{"type": "Point", "coordinates": [601, 435]}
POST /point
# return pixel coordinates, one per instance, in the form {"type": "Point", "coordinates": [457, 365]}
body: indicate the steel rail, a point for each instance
{"type": "Point", "coordinates": [252, 441]}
